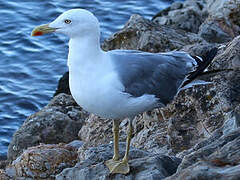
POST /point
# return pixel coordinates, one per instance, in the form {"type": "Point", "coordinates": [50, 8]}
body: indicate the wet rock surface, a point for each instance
{"type": "Point", "coordinates": [197, 134]}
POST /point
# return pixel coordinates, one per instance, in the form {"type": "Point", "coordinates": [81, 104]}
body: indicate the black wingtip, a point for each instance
{"type": "Point", "coordinates": [210, 55]}
{"type": "Point", "coordinates": [203, 63]}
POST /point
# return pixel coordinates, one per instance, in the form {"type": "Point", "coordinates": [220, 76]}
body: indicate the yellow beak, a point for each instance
{"type": "Point", "coordinates": [43, 29]}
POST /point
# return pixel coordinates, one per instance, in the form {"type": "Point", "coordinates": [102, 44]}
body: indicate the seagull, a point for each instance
{"type": "Point", "coordinates": [120, 84]}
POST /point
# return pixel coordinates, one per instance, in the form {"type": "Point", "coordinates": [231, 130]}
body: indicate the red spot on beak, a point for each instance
{"type": "Point", "coordinates": [38, 33]}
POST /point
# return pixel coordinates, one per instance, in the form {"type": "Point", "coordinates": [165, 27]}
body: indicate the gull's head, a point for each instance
{"type": "Point", "coordinates": [73, 23]}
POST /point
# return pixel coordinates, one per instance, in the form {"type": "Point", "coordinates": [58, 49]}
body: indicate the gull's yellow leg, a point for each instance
{"type": "Point", "coordinates": [122, 167]}
{"type": "Point", "coordinates": [110, 163]}
{"type": "Point", "coordinates": [116, 140]}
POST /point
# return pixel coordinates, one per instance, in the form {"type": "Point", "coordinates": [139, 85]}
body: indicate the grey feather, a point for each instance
{"type": "Point", "coordinates": [195, 83]}
{"type": "Point", "coordinates": [159, 74]}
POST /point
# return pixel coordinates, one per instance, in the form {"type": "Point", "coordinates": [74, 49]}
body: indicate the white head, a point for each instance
{"type": "Point", "coordinates": [73, 23]}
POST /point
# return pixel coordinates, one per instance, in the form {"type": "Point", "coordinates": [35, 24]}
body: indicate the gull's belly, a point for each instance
{"type": "Point", "coordinates": [112, 103]}
{"type": "Point", "coordinates": [99, 94]}
{"type": "Point", "coordinates": [99, 101]}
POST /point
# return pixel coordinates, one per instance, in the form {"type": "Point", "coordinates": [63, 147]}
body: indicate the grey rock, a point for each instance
{"type": "Point", "coordinates": [215, 20]}
{"type": "Point", "coordinates": [219, 159]}
{"type": "Point", "coordinates": [58, 122]}
{"type": "Point", "coordinates": [143, 165]}
{"type": "Point", "coordinates": [75, 144]}
{"type": "Point", "coordinates": [3, 164]}
{"type": "Point", "coordinates": [96, 131]}
{"type": "Point", "coordinates": [236, 62]}
{"type": "Point", "coordinates": [222, 9]}
{"type": "Point", "coordinates": [228, 55]}
{"type": "Point", "coordinates": [213, 33]}
{"type": "Point", "coordinates": [142, 34]}
{"type": "Point", "coordinates": [230, 124]}
{"type": "Point", "coordinates": [206, 171]}
{"type": "Point", "coordinates": [105, 152]}
{"type": "Point", "coordinates": [237, 116]}
{"type": "Point", "coordinates": [188, 15]}
{"type": "Point", "coordinates": [222, 25]}
{"type": "Point", "coordinates": [223, 148]}
{"type": "Point", "coordinates": [198, 49]}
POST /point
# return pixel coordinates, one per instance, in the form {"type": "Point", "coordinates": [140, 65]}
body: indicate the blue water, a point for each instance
{"type": "Point", "coordinates": [31, 66]}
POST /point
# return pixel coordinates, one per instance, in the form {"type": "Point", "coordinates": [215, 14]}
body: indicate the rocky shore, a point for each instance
{"type": "Point", "coordinates": [199, 138]}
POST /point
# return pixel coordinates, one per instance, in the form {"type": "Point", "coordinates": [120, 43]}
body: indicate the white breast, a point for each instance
{"type": "Point", "coordinates": [97, 89]}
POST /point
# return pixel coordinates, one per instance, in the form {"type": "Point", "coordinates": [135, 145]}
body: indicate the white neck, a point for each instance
{"type": "Point", "coordinates": [84, 50]}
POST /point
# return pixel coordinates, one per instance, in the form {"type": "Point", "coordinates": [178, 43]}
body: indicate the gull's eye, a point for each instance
{"type": "Point", "coordinates": [67, 21]}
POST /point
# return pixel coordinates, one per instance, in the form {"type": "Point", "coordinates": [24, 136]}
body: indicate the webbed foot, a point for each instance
{"type": "Point", "coordinates": [120, 167]}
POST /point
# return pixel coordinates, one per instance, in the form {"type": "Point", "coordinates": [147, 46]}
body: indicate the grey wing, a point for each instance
{"type": "Point", "coordinates": [160, 74]}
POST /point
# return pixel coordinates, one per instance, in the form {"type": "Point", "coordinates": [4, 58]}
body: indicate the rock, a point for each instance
{"type": "Point", "coordinates": [3, 164]}
{"type": "Point", "coordinates": [216, 147]}
{"type": "Point", "coordinates": [222, 25]}
{"type": "Point", "coordinates": [198, 49]}
{"type": "Point", "coordinates": [229, 56]}
{"type": "Point", "coordinates": [151, 132]}
{"type": "Point", "coordinates": [142, 34]}
{"type": "Point", "coordinates": [96, 131]}
{"type": "Point", "coordinates": [143, 165]}
{"type": "Point", "coordinates": [206, 171]}
{"type": "Point", "coordinates": [223, 9]}
{"type": "Point", "coordinates": [43, 161]}
{"type": "Point", "coordinates": [3, 175]}
{"type": "Point", "coordinates": [218, 159]}
{"type": "Point", "coordinates": [215, 20]}
{"type": "Point", "coordinates": [188, 15]}
{"type": "Point", "coordinates": [75, 144]}
{"type": "Point", "coordinates": [58, 122]}
{"type": "Point", "coordinates": [212, 32]}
